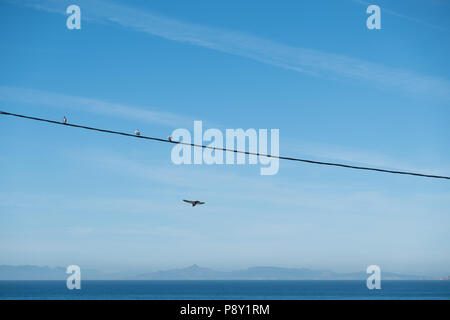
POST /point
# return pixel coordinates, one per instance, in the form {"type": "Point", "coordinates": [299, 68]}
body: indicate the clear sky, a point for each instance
{"type": "Point", "coordinates": [335, 90]}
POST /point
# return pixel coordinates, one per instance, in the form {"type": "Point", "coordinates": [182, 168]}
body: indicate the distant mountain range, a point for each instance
{"type": "Point", "coordinates": [195, 272]}
{"type": "Point", "coordinates": [30, 272]}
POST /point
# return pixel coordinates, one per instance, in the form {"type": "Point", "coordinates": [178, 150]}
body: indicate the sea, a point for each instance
{"type": "Point", "coordinates": [224, 290]}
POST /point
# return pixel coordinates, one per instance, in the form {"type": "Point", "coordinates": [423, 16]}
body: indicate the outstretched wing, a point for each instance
{"type": "Point", "coordinates": [200, 202]}
{"type": "Point", "coordinates": [189, 201]}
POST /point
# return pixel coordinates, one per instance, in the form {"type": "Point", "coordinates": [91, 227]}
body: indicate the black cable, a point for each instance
{"type": "Point", "coordinates": [228, 150]}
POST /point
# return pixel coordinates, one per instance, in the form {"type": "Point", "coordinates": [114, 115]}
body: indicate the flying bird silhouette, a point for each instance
{"type": "Point", "coordinates": [194, 203]}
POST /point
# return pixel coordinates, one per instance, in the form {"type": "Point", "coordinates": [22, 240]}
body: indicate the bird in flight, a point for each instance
{"type": "Point", "coordinates": [194, 203]}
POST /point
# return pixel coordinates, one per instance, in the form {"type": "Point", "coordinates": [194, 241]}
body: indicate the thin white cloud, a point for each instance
{"type": "Point", "coordinates": [403, 16]}
{"type": "Point", "coordinates": [289, 196]}
{"type": "Point", "coordinates": [142, 114]}
{"type": "Point", "coordinates": [57, 100]}
{"type": "Point", "coordinates": [267, 51]}
{"type": "Point", "coordinates": [277, 191]}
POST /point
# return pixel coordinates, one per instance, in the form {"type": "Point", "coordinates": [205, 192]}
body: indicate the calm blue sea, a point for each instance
{"type": "Point", "coordinates": [278, 290]}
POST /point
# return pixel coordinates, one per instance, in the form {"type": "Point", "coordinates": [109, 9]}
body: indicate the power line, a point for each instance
{"type": "Point", "coordinates": [228, 150]}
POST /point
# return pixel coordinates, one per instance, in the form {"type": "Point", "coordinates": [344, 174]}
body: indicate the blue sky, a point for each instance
{"type": "Point", "coordinates": [335, 90]}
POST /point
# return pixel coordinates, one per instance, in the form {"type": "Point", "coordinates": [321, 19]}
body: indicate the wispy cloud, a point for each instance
{"type": "Point", "coordinates": [281, 192]}
{"type": "Point", "coordinates": [57, 100]}
{"type": "Point", "coordinates": [304, 60]}
{"type": "Point", "coordinates": [143, 114]}
{"type": "Point", "coordinates": [228, 194]}
{"type": "Point", "coordinates": [404, 16]}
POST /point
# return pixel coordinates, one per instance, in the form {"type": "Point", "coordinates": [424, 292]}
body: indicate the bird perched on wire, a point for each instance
{"type": "Point", "coordinates": [64, 120]}
{"type": "Point", "coordinates": [194, 203]}
{"type": "Point", "coordinates": [137, 132]}
{"type": "Point", "coordinates": [170, 138]}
